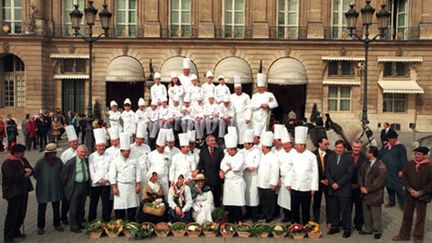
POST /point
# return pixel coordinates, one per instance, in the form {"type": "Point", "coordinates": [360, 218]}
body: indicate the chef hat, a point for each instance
{"type": "Point", "coordinates": [267, 139]}
{"type": "Point", "coordinates": [141, 130]}
{"type": "Point", "coordinates": [113, 103]}
{"type": "Point", "coordinates": [124, 141]}
{"type": "Point", "coordinates": [209, 74]}
{"type": "Point", "coordinates": [257, 131]}
{"type": "Point", "coordinates": [220, 77]}
{"type": "Point", "coordinates": [186, 63]}
{"type": "Point", "coordinates": [173, 75]}
{"type": "Point", "coordinates": [232, 130]}
{"type": "Point", "coordinates": [160, 141]}
{"type": "Point", "coordinates": [192, 136]}
{"type": "Point", "coordinates": [261, 79]}
{"type": "Point", "coordinates": [248, 136]}
{"type": "Point", "coordinates": [226, 98]}
{"type": "Point", "coordinates": [278, 131]}
{"type": "Point", "coordinates": [186, 98]}
{"type": "Point", "coordinates": [176, 98]}
{"type": "Point", "coordinates": [230, 140]}
{"type": "Point", "coordinates": [127, 101]}
{"type": "Point", "coordinates": [183, 139]}
{"type": "Point", "coordinates": [157, 75]}
{"type": "Point", "coordinates": [154, 102]}
{"type": "Point", "coordinates": [71, 134]}
{"type": "Point", "coordinates": [285, 137]}
{"type": "Point", "coordinates": [237, 85]}
{"type": "Point", "coordinates": [211, 94]}
{"type": "Point", "coordinates": [163, 99]}
{"type": "Point", "coordinates": [300, 134]}
{"type": "Point", "coordinates": [113, 132]}
{"type": "Point", "coordinates": [169, 135]}
{"type": "Point", "coordinates": [141, 102]}
{"type": "Point", "coordinates": [237, 81]}
{"type": "Point", "coordinates": [199, 96]}
{"type": "Point", "coordinates": [193, 76]}
{"type": "Point", "coordinates": [99, 135]}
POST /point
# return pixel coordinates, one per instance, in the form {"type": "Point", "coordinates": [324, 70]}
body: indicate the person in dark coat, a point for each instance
{"type": "Point", "coordinates": [48, 186]}
{"type": "Point", "coordinates": [371, 182]}
{"type": "Point", "coordinates": [12, 131]}
{"type": "Point", "coordinates": [417, 179]}
{"type": "Point", "coordinates": [359, 160]}
{"type": "Point", "coordinates": [384, 132]}
{"type": "Point", "coordinates": [339, 172]}
{"type": "Point", "coordinates": [209, 164]}
{"type": "Point", "coordinates": [75, 176]}
{"type": "Point", "coordinates": [394, 156]}
{"type": "Point", "coordinates": [16, 184]}
{"type": "Point", "coordinates": [2, 133]}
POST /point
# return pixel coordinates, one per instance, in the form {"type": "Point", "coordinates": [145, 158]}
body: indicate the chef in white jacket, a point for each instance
{"type": "Point", "coordinates": [114, 149]}
{"type": "Point", "coordinates": [185, 78]}
{"type": "Point", "coordinates": [170, 148]}
{"type": "Point", "coordinates": [140, 113]}
{"type": "Point", "coordinates": [208, 87]}
{"type": "Point", "coordinates": [99, 164]}
{"type": "Point", "coordinates": [114, 115]}
{"type": "Point", "coordinates": [221, 90]}
{"type": "Point", "coordinates": [284, 196]}
{"type": "Point", "coordinates": [211, 115]}
{"type": "Point", "coordinates": [187, 121]}
{"type": "Point", "coordinates": [243, 111]}
{"type": "Point", "coordinates": [194, 91]}
{"type": "Point", "coordinates": [70, 152]}
{"type": "Point", "coordinates": [175, 114]}
{"type": "Point", "coordinates": [140, 151]}
{"type": "Point", "coordinates": [252, 155]}
{"type": "Point", "coordinates": [182, 163]}
{"type": "Point", "coordinates": [261, 103]}
{"type": "Point", "coordinates": [268, 177]}
{"type": "Point", "coordinates": [226, 115]}
{"type": "Point", "coordinates": [158, 161]}
{"type": "Point", "coordinates": [193, 149]}
{"type": "Point", "coordinates": [175, 89]}
{"type": "Point", "coordinates": [164, 114]}
{"type": "Point", "coordinates": [152, 115]}
{"type": "Point", "coordinates": [277, 150]}
{"type": "Point", "coordinates": [158, 90]}
{"type": "Point", "coordinates": [232, 166]}
{"type": "Point", "coordinates": [128, 117]}
{"type": "Point", "coordinates": [198, 114]}
{"type": "Point", "coordinates": [125, 178]}
{"type": "Point", "coordinates": [302, 179]}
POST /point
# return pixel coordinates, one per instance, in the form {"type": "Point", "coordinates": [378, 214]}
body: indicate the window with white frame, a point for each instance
{"type": "Point", "coordinates": [399, 19]}
{"type": "Point", "coordinates": [338, 20]}
{"type": "Point", "coordinates": [13, 82]}
{"type": "Point", "coordinates": [126, 16]}
{"type": "Point", "coordinates": [11, 13]}
{"type": "Point", "coordinates": [287, 25]}
{"type": "Point", "coordinates": [394, 103]}
{"type": "Point", "coordinates": [339, 98]}
{"type": "Point", "coordinates": [234, 18]}
{"type": "Point", "coordinates": [180, 18]}
{"type": "Point", "coordinates": [69, 7]}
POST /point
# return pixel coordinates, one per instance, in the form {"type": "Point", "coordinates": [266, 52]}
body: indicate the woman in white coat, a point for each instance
{"type": "Point", "coordinates": [232, 167]}
{"type": "Point", "coordinates": [202, 196]}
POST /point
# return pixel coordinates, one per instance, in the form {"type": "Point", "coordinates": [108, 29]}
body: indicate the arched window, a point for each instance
{"type": "Point", "coordinates": [12, 86]}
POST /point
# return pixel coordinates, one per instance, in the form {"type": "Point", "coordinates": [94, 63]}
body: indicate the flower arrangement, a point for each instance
{"type": "Point", "coordinates": [147, 228]}
{"type": "Point", "coordinates": [95, 228]}
{"type": "Point", "coordinates": [228, 230]}
{"type": "Point", "coordinates": [313, 230]}
{"type": "Point", "coordinates": [210, 229]}
{"type": "Point", "coordinates": [162, 229]}
{"type": "Point", "coordinates": [193, 229]}
{"type": "Point", "coordinates": [178, 229]}
{"type": "Point", "coordinates": [134, 231]}
{"type": "Point", "coordinates": [114, 227]}
{"type": "Point", "coordinates": [244, 230]}
{"type": "Point", "coordinates": [219, 215]}
{"type": "Point", "coordinates": [296, 231]}
{"type": "Point", "coordinates": [261, 230]}
{"type": "Point", "coordinates": [279, 230]}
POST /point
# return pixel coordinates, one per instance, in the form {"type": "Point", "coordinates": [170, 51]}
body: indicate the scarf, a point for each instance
{"type": "Point", "coordinates": [13, 157]}
{"type": "Point", "coordinates": [389, 146]}
{"type": "Point", "coordinates": [195, 192]}
{"type": "Point", "coordinates": [154, 186]}
{"type": "Point", "coordinates": [179, 193]}
{"type": "Point", "coordinates": [418, 163]}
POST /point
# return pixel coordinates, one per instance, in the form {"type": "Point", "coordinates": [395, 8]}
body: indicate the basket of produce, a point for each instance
{"type": "Point", "coordinates": [95, 228]}
{"type": "Point", "coordinates": [162, 229]}
{"type": "Point", "coordinates": [148, 228]}
{"type": "Point", "coordinates": [193, 229]}
{"type": "Point", "coordinates": [178, 229]}
{"type": "Point", "coordinates": [297, 231]}
{"type": "Point", "coordinates": [210, 229]}
{"type": "Point", "coordinates": [279, 230]}
{"type": "Point", "coordinates": [114, 227]}
{"type": "Point", "coordinates": [313, 230]}
{"type": "Point", "coordinates": [244, 230]}
{"type": "Point", "coordinates": [156, 208]}
{"type": "Point", "coordinates": [219, 216]}
{"type": "Point", "coordinates": [228, 230]}
{"type": "Point", "coordinates": [261, 230]}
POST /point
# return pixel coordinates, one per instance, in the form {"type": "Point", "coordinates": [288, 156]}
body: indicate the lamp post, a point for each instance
{"type": "Point", "coordinates": [383, 17]}
{"type": "Point", "coordinates": [90, 16]}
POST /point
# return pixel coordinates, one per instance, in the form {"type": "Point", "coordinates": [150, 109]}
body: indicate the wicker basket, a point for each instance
{"type": "Point", "coordinates": [95, 235]}
{"type": "Point", "coordinates": [178, 233]}
{"type": "Point", "coordinates": [154, 211]}
{"type": "Point", "coordinates": [209, 234]}
{"type": "Point", "coordinates": [314, 235]}
{"type": "Point", "coordinates": [227, 234]}
{"type": "Point", "coordinates": [162, 234]}
{"type": "Point", "coordinates": [243, 234]}
{"type": "Point", "coordinates": [298, 236]}
{"type": "Point", "coordinates": [149, 225]}
{"type": "Point", "coordinates": [112, 234]}
{"type": "Point", "coordinates": [193, 234]}
{"type": "Point", "coordinates": [279, 235]}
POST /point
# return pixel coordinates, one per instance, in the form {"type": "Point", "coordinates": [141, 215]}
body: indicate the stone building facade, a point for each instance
{"type": "Point", "coordinates": [302, 45]}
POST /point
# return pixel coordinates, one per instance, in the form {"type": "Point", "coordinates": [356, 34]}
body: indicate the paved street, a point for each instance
{"type": "Point", "coordinates": [391, 222]}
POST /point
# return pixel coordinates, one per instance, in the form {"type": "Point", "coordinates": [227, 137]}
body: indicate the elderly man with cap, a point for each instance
{"type": "Point", "coordinates": [99, 164]}
{"type": "Point", "coordinates": [208, 87]}
{"type": "Point", "coordinates": [185, 77]}
{"type": "Point", "coordinates": [252, 156]}
{"type": "Point", "coordinates": [128, 118]}
{"type": "Point", "coordinates": [226, 115]}
{"type": "Point", "coordinates": [417, 179]}
{"type": "Point", "coordinates": [198, 114]}
{"type": "Point", "coordinates": [140, 151]}
{"type": "Point", "coordinates": [262, 102]}
{"type": "Point", "coordinates": [221, 90]}
{"type": "Point", "coordinates": [158, 90]}
{"type": "Point", "coordinates": [394, 156]}
{"type": "Point", "coordinates": [114, 115]}
{"type": "Point", "coordinates": [125, 178]}
{"type": "Point", "coordinates": [268, 177]}
{"type": "Point", "coordinates": [175, 114]}
{"type": "Point", "coordinates": [152, 121]}
{"type": "Point", "coordinates": [202, 197]}
{"type": "Point", "coordinates": [182, 163]}
{"type": "Point", "coordinates": [234, 189]}
{"type": "Point", "coordinates": [302, 177]}
{"type": "Point", "coordinates": [159, 162]}
{"type": "Point", "coordinates": [241, 103]}
{"type": "Point", "coordinates": [175, 89]}
{"type": "Point", "coordinates": [284, 196]}
{"type": "Point", "coordinates": [164, 114]}
{"type": "Point", "coordinates": [211, 115]}
{"type": "Point", "coordinates": [187, 121]}
{"type": "Point", "coordinates": [16, 184]}
{"type": "Point", "coordinates": [49, 186]}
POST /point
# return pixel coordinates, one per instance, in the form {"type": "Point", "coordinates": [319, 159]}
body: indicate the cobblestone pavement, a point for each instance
{"type": "Point", "coordinates": [391, 223]}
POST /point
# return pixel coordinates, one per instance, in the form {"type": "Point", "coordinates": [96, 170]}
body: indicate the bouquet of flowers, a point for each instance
{"type": "Point", "coordinates": [193, 229]}
{"type": "Point", "coordinates": [114, 227]}
{"type": "Point", "coordinates": [178, 229]}
{"type": "Point", "coordinates": [313, 230]}
{"type": "Point", "coordinates": [296, 231]}
{"type": "Point", "coordinates": [95, 228]}
{"type": "Point", "coordinates": [244, 230]}
{"type": "Point", "coordinates": [228, 230]}
{"type": "Point", "coordinates": [210, 229]}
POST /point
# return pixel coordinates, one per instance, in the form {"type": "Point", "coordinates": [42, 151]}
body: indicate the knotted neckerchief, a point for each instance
{"type": "Point", "coordinates": [195, 192]}
{"type": "Point", "coordinates": [389, 146]}
{"type": "Point", "coordinates": [418, 163]}
{"type": "Point", "coordinates": [179, 193]}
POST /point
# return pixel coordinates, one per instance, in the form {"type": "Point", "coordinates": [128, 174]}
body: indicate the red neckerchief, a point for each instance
{"type": "Point", "coordinates": [389, 146]}
{"type": "Point", "coordinates": [418, 163]}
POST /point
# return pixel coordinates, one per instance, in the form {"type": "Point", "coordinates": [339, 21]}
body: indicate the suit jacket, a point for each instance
{"type": "Point", "coordinates": [321, 170]}
{"type": "Point", "coordinates": [341, 174]}
{"type": "Point", "coordinates": [67, 175]}
{"type": "Point", "coordinates": [210, 167]}
{"type": "Point", "coordinates": [14, 183]}
{"type": "Point", "coordinates": [383, 135]}
{"type": "Point", "coordinates": [357, 167]}
{"type": "Point", "coordinates": [373, 178]}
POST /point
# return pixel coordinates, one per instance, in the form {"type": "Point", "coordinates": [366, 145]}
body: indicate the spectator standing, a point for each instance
{"type": "Point", "coordinates": [2, 134]}
{"type": "Point", "coordinates": [24, 128]}
{"type": "Point", "coordinates": [12, 131]}
{"type": "Point", "coordinates": [31, 133]}
{"type": "Point", "coordinates": [56, 127]}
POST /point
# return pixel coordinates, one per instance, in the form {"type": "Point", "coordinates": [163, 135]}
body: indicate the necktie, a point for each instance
{"type": "Point", "coordinates": [211, 153]}
{"type": "Point", "coordinates": [338, 159]}
{"type": "Point", "coordinates": [83, 171]}
{"type": "Point", "coordinates": [322, 160]}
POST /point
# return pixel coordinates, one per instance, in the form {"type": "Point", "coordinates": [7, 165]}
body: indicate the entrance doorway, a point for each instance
{"type": "Point", "coordinates": [119, 91]}
{"type": "Point", "coordinates": [289, 97]}
{"type": "Point", "coordinates": [73, 95]}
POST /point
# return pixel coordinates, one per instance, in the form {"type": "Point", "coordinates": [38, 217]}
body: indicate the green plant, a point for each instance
{"type": "Point", "coordinates": [95, 226]}
{"type": "Point", "coordinates": [244, 227]}
{"type": "Point", "coordinates": [178, 226]}
{"type": "Point", "coordinates": [210, 227]}
{"type": "Point", "coordinates": [147, 228]}
{"type": "Point", "coordinates": [259, 229]}
{"type": "Point", "coordinates": [219, 214]}
{"type": "Point", "coordinates": [228, 228]}
{"type": "Point", "coordinates": [135, 231]}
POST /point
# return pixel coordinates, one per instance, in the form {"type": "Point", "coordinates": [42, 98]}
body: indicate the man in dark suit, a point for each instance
{"type": "Point", "coordinates": [209, 164]}
{"type": "Point", "coordinates": [384, 132]}
{"type": "Point", "coordinates": [359, 160]}
{"type": "Point", "coordinates": [339, 172]}
{"type": "Point", "coordinates": [75, 176]}
{"type": "Point", "coordinates": [321, 153]}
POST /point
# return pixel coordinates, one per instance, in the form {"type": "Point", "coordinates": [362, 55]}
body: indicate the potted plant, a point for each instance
{"type": "Point", "coordinates": [147, 228]}
{"type": "Point", "coordinates": [296, 231]}
{"type": "Point", "coordinates": [244, 230]}
{"type": "Point", "coordinates": [114, 227]}
{"type": "Point", "coordinates": [210, 229]}
{"type": "Point", "coordinates": [313, 230]}
{"type": "Point", "coordinates": [162, 229]}
{"type": "Point", "coordinates": [279, 230]}
{"type": "Point", "coordinates": [178, 229]}
{"type": "Point", "coordinates": [193, 229]}
{"type": "Point", "coordinates": [261, 230]}
{"type": "Point", "coordinates": [95, 228]}
{"type": "Point", "coordinates": [228, 230]}
{"type": "Point", "coordinates": [219, 215]}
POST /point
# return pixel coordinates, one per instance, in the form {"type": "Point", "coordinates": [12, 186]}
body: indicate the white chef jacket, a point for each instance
{"type": "Point", "coordinates": [186, 111]}
{"type": "Point", "coordinates": [260, 116]}
{"type": "Point", "coordinates": [114, 118]}
{"type": "Point", "coordinates": [112, 152]}
{"type": "Point", "coordinates": [197, 110]}
{"type": "Point", "coordinates": [99, 165]}
{"type": "Point", "coordinates": [176, 90]}
{"type": "Point", "coordinates": [171, 152]}
{"type": "Point", "coordinates": [226, 111]}
{"type": "Point", "coordinates": [268, 171]}
{"type": "Point", "coordinates": [194, 91]}
{"type": "Point", "coordinates": [195, 153]}
{"type": "Point", "coordinates": [243, 113]}
{"type": "Point", "coordinates": [252, 159]}
{"type": "Point", "coordinates": [67, 155]}
{"type": "Point", "coordinates": [234, 184]}
{"type": "Point", "coordinates": [208, 90]}
{"type": "Point", "coordinates": [175, 111]}
{"type": "Point", "coordinates": [152, 115]}
{"type": "Point", "coordinates": [220, 92]}
{"type": "Point", "coordinates": [159, 163]}
{"type": "Point", "coordinates": [128, 118]}
{"type": "Point", "coordinates": [158, 91]}
{"type": "Point", "coordinates": [182, 164]}
{"type": "Point", "coordinates": [211, 110]}
{"type": "Point", "coordinates": [188, 197]}
{"type": "Point", "coordinates": [302, 171]}
{"type": "Point", "coordinates": [185, 81]}
{"type": "Point", "coordinates": [284, 197]}
{"type": "Point", "coordinates": [140, 116]}
{"type": "Point", "coordinates": [164, 113]}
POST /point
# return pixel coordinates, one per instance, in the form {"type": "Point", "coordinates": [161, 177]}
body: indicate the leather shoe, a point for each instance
{"type": "Point", "coordinates": [59, 228]}
{"type": "Point", "coordinates": [389, 205]}
{"type": "Point", "coordinates": [377, 236]}
{"type": "Point", "coordinates": [333, 231]}
{"type": "Point", "coordinates": [76, 230]}
{"type": "Point", "coordinates": [399, 238]}
{"type": "Point", "coordinates": [364, 233]}
{"type": "Point", "coordinates": [20, 235]}
{"type": "Point", "coordinates": [40, 231]}
{"type": "Point", "coordinates": [346, 234]}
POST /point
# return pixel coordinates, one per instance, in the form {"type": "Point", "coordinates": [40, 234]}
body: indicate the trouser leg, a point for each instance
{"type": "Point", "coordinates": [391, 196]}
{"type": "Point", "coordinates": [222, 128]}
{"type": "Point", "coordinates": [407, 218]}
{"type": "Point", "coordinates": [345, 207]}
{"type": "Point", "coordinates": [106, 207]}
{"type": "Point", "coordinates": [367, 217]}
{"type": "Point", "coordinates": [64, 210]}
{"type": "Point", "coordinates": [190, 125]}
{"type": "Point", "coordinates": [208, 126]}
{"type": "Point", "coordinates": [316, 208]}
{"type": "Point", "coordinates": [376, 213]}
{"type": "Point", "coordinates": [217, 192]}
{"type": "Point", "coordinates": [334, 212]}
{"type": "Point", "coordinates": [305, 206]}
{"type": "Point", "coordinates": [12, 214]}
{"type": "Point", "coordinates": [41, 215]}
{"type": "Point", "coordinates": [420, 208]}
{"type": "Point", "coordinates": [131, 214]}
{"type": "Point", "coordinates": [56, 213]}
{"type": "Point", "coordinates": [295, 206]}
{"type": "Point", "coordinates": [94, 200]}
{"type": "Point", "coordinates": [357, 203]}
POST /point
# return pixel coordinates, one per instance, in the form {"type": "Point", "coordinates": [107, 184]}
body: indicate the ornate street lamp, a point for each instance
{"type": "Point", "coordinates": [90, 16]}
{"type": "Point", "coordinates": [383, 18]}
